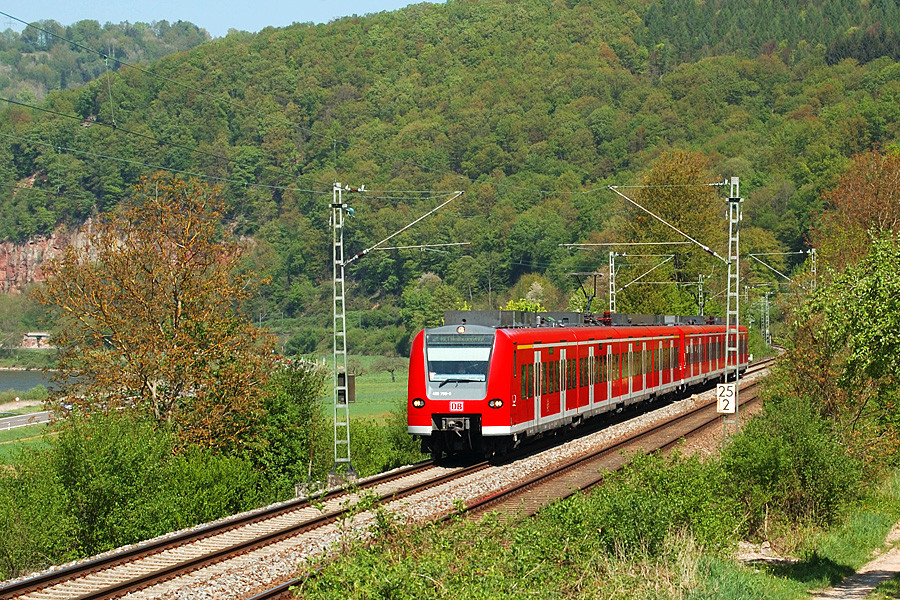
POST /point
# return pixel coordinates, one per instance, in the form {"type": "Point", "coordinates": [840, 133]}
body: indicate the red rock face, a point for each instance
{"type": "Point", "coordinates": [20, 264]}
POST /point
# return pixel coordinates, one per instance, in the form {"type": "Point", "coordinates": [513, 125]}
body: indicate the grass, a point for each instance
{"type": "Point", "coordinates": [36, 393]}
{"type": "Point", "coordinates": [377, 396]}
{"type": "Point", "coordinates": [22, 410]}
{"type": "Point", "coordinates": [23, 358]}
{"type": "Point", "coordinates": [15, 440]}
{"type": "Point", "coordinates": [826, 556]}
{"type": "Point", "coordinates": [889, 590]}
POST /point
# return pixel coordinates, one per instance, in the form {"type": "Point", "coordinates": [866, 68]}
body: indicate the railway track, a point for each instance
{"type": "Point", "coordinates": [148, 564]}
{"type": "Point", "coordinates": [584, 472]}
{"type": "Point", "coordinates": [525, 498]}
{"type": "Point", "coordinates": [140, 566]}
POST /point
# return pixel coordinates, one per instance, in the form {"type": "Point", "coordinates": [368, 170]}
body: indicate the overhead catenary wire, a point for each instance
{"type": "Point", "coordinates": [613, 244]}
{"type": "Point", "coordinates": [706, 248]}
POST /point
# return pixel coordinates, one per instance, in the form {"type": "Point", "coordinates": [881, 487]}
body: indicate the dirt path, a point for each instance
{"type": "Point", "coordinates": [861, 583]}
{"type": "Point", "coordinates": [20, 404]}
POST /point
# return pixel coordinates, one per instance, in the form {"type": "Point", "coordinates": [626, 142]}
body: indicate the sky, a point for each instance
{"type": "Point", "coordinates": [216, 17]}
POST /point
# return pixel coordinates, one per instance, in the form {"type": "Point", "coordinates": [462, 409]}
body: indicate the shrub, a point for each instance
{"type": "Point", "coordinates": [652, 497]}
{"type": "Point", "coordinates": [36, 526]}
{"type": "Point", "coordinates": [109, 480]}
{"type": "Point", "coordinates": [787, 463]}
{"type": "Point", "coordinates": [293, 427]}
{"type": "Point", "coordinates": [380, 447]}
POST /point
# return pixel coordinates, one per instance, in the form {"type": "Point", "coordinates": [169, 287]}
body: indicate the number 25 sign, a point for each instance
{"type": "Point", "coordinates": [725, 398]}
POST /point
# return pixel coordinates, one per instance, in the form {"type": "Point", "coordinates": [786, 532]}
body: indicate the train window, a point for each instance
{"type": "Point", "coordinates": [553, 385]}
{"type": "Point", "coordinates": [583, 371]}
{"type": "Point", "coordinates": [557, 374]}
{"type": "Point", "coordinates": [570, 374]}
{"type": "Point", "coordinates": [544, 377]}
{"type": "Point", "coordinates": [531, 380]}
{"type": "Point", "coordinates": [458, 357]}
{"type": "Point", "coordinates": [524, 392]}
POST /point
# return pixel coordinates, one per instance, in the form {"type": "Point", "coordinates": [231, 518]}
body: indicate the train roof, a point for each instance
{"type": "Point", "coordinates": [515, 319]}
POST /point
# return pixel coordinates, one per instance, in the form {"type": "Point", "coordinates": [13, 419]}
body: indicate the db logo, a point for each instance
{"type": "Point", "coordinates": [456, 407]}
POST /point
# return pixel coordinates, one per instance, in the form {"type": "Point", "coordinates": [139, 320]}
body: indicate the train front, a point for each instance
{"type": "Point", "coordinates": [449, 375]}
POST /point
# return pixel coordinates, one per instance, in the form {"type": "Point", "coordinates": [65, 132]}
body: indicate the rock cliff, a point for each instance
{"type": "Point", "coordinates": [20, 264]}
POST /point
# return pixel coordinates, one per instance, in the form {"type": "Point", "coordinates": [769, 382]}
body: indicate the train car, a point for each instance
{"type": "Point", "coordinates": [483, 389]}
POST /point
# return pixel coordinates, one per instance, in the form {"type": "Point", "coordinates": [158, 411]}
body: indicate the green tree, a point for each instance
{"type": "Point", "coordinates": [390, 364]}
{"type": "Point", "coordinates": [293, 425]}
{"type": "Point", "coordinates": [860, 328]}
{"type": "Point", "coordinates": [424, 302]}
{"type": "Point", "coordinates": [676, 188]}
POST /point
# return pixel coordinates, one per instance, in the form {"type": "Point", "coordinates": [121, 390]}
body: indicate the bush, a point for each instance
{"type": "Point", "coordinates": [36, 526]}
{"type": "Point", "coordinates": [291, 443]}
{"type": "Point", "coordinates": [652, 497]}
{"type": "Point", "coordinates": [787, 463]}
{"type": "Point", "coordinates": [376, 448]}
{"type": "Point", "coordinates": [109, 480]}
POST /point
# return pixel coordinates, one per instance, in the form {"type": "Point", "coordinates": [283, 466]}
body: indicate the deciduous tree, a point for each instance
{"type": "Point", "coordinates": [867, 196]}
{"type": "Point", "coordinates": [148, 315]}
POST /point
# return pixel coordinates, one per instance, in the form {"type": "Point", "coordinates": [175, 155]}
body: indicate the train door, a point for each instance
{"type": "Point", "coordinates": [673, 358]}
{"type": "Point", "coordinates": [644, 364]}
{"type": "Point", "coordinates": [705, 354]}
{"type": "Point", "coordinates": [692, 357]}
{"type": "Point", "coordinates": [563, 382]}
{"type": "Point", "coordinates": [538, 386]}
{"type": "Point", "coordinates": [629, 370]}
{"type": "Point", "coordinates": [592, 375]}
{"type": "Point", "coordinates": [608, 368]}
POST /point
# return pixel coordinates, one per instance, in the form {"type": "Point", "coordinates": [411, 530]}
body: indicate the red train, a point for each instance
{"type": "Point", "coordinates": [479, 387]}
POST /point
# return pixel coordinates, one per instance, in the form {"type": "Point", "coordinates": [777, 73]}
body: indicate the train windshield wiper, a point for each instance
{"type": "Point", "coordinates": [457, 380]}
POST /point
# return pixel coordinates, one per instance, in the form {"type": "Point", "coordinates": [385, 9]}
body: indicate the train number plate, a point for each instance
{"type": "Point", "coordinates": [456, 407]}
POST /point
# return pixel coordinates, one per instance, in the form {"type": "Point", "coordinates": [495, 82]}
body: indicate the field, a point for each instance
{"type": "Point", "coordinates": [377, 395]}
{"type": "Point", "coordinates": [13, 440]}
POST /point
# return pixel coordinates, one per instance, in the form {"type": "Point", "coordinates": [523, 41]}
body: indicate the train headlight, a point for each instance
{"type": "Point", "coordinates": [418, 403]}
{"type": "Point", "coordinates": [495, 403]}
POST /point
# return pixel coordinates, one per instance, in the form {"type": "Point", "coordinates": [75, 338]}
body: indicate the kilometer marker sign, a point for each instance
{"type": "Point", "coordinates": [725, 398]}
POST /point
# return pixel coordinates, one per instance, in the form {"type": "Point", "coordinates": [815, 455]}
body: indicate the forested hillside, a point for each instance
{"type": "Point", "coordinates": [531, 107]}
{"type": "Point", "coordinates": [51, 56]}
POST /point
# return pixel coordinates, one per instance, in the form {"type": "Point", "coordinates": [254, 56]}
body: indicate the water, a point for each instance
{"type": "Point", "coordinates": [22, 381]}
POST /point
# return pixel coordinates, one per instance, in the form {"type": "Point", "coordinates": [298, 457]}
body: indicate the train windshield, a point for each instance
{"type": "Point", "coordinates": [458, 357]}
